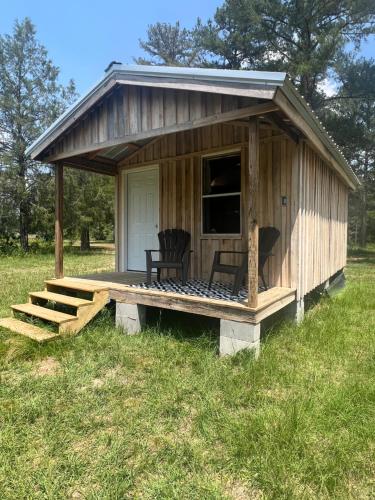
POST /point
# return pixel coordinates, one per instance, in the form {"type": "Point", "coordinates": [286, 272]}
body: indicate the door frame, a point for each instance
{"type": "Point", "coordinates": [122, 261]}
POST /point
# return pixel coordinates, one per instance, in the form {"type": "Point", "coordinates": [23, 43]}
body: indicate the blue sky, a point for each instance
{"type": "Point", "coordinates": [83, 36]}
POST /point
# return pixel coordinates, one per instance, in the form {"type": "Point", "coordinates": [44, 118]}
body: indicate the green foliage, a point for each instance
{"type": "Point", "coordinates": [160, 415]}
{"type": "Point", "coordinates": [169, 45]}
{"type": "Point", "coordinates": [30, 99]}
{"type": "Point", "coordinates": [88, 206]}
{"type": "Point", "coordinates": [350, 117]}
{"type": "Point", "coordinates": [303, 38]}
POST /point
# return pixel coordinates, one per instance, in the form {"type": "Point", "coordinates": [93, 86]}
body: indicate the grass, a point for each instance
{"type": "Point", "coordinates": [159, 415]}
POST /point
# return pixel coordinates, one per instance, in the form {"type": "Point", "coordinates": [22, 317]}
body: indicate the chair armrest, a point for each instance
{"type": "Point", "coordinates": [219, 252]}
{"type": "Point", "coordinates": [266, 254]}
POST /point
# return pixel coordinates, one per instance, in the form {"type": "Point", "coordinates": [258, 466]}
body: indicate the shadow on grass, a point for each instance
{"type": "Point", "coordinates": [183, 326]}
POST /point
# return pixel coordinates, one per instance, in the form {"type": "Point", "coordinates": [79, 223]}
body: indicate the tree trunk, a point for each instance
{"type": "Point", "coordinates": [363, 215]}
{"type": "Point", "coordinates": [364, 202]}
{"type": "Point", "coordinates": [24, 230]}
{"type": "Point", "coordinates": [24, 208]}
{"type": "Point", "coordinates": [85, 238]}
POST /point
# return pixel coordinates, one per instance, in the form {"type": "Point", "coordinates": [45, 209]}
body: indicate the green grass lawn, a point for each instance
{"type": "Point", "coordinates": [160, 415]}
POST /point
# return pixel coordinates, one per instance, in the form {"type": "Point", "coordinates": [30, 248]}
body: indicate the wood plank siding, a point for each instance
{"type": "Point", "coordinates": [323, 208]}
{"type": "Point", "coordinates": [131, 111]}
{"type": "Point", "coordinates": [179, 157]}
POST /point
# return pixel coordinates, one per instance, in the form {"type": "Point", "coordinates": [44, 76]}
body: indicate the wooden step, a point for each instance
{"type": "Point", "coordinates": [44, 313]}
{"type": "Point", "coordinates": [76, 285]}
{"type": "Point", "coordinates": [61, 299]}
{"type": "Point", "coordinates": [27, 330]}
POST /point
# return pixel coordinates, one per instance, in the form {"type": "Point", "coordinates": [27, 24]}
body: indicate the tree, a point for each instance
{"type": "Point", "coordinates": [30, 100]}
{"type": "Point", "coordinates": [350, 117]}
{"type": "Point", "coordinates": [88, 206]}
{"type": "Point", "coordinates": [303, 38]}
{"type": "Point", "coordinates": [169, 45]}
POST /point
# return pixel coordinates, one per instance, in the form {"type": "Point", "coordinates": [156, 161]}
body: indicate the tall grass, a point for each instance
{"type": "Point", "coordinates": [160, 415]}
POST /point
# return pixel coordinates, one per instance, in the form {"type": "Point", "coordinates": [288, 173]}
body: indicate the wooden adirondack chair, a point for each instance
{"type": "Point", "coordinates": [174, 253]}
{"type": "Point", "coordinates": [267, 239]}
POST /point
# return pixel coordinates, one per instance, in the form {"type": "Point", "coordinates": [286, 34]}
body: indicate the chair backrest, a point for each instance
{"type": "Point", "coordinates": [267, 239]}
{"type": "Point", "coordinates": [173, 244]}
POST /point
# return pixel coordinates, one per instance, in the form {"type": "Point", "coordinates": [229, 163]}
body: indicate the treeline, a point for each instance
{"type": "Point", "coordinates": [31, 98]}
{"type": "Point", "coordinates": [317, 42]}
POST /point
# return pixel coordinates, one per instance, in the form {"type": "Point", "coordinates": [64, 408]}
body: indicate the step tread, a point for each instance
{"type": "Point", "coordinates": [43, 313]}
{"type": "Point", "coordinates": [27, 330]}
{"type": "Point", "coordinates": [61, 298]}
{"type": "Point", "coordinates": [76, 285]}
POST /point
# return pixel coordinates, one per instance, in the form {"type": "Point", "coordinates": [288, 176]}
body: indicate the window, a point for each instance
{"type": "Point", "coordinates": [221, 193]}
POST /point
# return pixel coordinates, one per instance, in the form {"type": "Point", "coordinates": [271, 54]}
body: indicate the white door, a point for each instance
{"type": "Point", "coordinates": [143, 216]}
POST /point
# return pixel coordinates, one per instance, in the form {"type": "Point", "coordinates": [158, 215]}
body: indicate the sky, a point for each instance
{"type": "Point", "coordinates": [84, 36]}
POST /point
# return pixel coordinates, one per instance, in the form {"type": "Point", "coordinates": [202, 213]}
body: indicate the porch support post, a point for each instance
{"type": "Point", "coordinates": [59, 203]}
{"type": "Point", "coordinates": [252, 214]}
{"type": "Point", "coordinates": [130, 317]}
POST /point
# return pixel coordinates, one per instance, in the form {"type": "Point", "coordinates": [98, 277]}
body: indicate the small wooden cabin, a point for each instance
{"type": "Point", "coordinates": [168, 135]}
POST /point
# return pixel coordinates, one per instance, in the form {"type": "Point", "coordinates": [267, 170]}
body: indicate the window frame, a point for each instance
{"type": "Point", "coordinates": [220, 154]}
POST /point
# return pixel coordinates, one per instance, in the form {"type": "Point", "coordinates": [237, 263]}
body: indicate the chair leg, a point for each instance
{"type": "Point", "coordinates": [262, 278]}
{"type": "Point", "coordinates": [183, 275]}
{"type": "Point", "coordinates": [237, 282]}
{"type": "Point", "coordinates": [148, 277]}
{"type": "Point", "coordinates": [211, 277]}
{"type": "Point", "coordinates": [158, 272]}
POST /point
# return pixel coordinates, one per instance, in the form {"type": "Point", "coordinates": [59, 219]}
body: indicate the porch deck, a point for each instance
{"type": "Point", "coordinates": [127, 287]}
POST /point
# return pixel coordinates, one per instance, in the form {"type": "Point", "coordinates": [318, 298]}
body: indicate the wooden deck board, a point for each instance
{"type": "Point", "coordinates": [43, 313]}
{"type": "Point", "coordinates": [27, 330]}
{"type": "Point", "coordinates": [83, 286]}
{"type": "Point", "coordinates": [61, 299]}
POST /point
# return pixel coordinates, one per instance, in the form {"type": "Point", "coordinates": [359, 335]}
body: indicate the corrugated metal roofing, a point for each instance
{"type": "Point", "coordinates": [266, 78]}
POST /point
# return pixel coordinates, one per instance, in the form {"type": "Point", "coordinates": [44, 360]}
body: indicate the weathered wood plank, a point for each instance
{"type": "Point", "coordinates": [252, 221]}
{"type": "Point", "coordinates": [59, 208]}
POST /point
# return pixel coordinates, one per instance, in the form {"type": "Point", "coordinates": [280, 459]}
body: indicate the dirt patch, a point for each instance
{"type": "Point", "coordinates": [239, 491]}
{"type": "Point", "coordinates": [97, 383]}
{"type": "Point", "coordinates": [47, 366]}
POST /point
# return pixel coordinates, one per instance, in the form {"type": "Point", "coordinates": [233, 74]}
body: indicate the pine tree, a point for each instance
{"type": "Point", "coordinates": [30, 100]}
{"type": "Point", "coordinates": [350, 117]}
{"type": "Point", "coordinates": [169, 45]}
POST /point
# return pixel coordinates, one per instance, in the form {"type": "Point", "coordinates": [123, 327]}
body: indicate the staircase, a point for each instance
{"type": "Point", "coordinates": [67, 304]}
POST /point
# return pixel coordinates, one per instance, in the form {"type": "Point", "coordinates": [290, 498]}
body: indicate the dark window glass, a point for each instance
{"type": "Point", "coordinates": [221, 195]}
{"type": "Point", "coordinates": [222, 175]}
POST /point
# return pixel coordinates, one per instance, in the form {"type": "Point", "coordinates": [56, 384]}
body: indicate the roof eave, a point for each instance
{"type": "Point", "coordinates": [312, 120]}
{"type": "Point", "coordinates": [269, 80]}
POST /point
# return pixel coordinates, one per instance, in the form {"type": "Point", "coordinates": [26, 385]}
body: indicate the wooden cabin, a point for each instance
{"type": "Point", "coordinates": [218, 153]}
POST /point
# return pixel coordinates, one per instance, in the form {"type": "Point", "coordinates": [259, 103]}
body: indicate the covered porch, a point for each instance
{"type": "Point", "coordinates": [218, 160]}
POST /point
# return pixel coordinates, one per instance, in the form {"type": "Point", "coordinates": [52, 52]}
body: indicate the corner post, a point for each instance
{"type": "Point", "coordinates": [252, 214]}
{"type": "Point", "coordinates": [59, 204]}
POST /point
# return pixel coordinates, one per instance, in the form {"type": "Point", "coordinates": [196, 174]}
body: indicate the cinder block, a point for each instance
{"type": "Point", "coordinates": [130, 317]}
{"type": "Point", "coordinates": [299, 310]}
{"type": "Point", "coordinates": [239, 330]}
{"type": "Point", "coordinates": [236, 336]}
{"type": "Point", "coordinates": [230, 346]}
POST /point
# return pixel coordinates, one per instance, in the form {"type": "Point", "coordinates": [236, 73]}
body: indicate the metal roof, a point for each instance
{"type": "Point", "coordinates": [264, 78]}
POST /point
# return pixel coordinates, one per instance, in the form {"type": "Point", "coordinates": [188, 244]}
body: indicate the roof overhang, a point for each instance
{"type": "Point", "coordinates": [256, 84]}
{"type": "Point", "coordinates": [334, 155]}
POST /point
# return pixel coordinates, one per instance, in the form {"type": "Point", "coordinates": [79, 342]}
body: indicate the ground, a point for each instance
{"type": "Point", "coordinates": [159, 415]}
